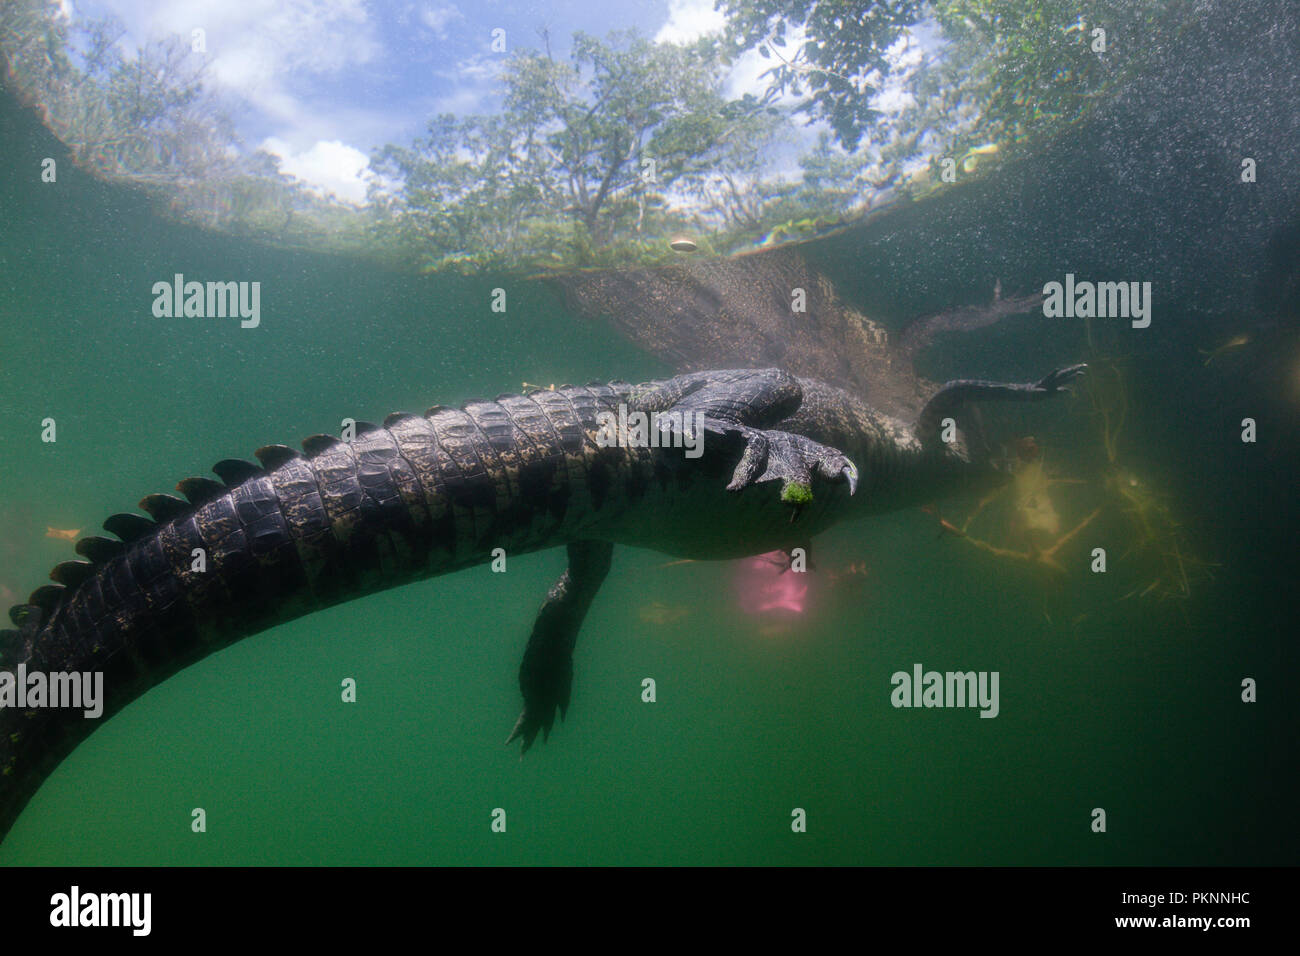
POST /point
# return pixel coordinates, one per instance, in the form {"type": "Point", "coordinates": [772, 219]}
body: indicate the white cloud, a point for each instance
{"type": "Point", "coordinates": [474, 84]}
{"type": "Point", "coordinates": [905, 55]}
{"type": "Point", "coordinates": [438, 18]}
{"type": "Point", "coordinates": [258, 48]}
{"type": "Point", "coordinates": [463, 101]}
{"type": "Point", "coordinates": [270, 54]}
{"type": "Point", "coordinates": [328, 167]}
{"type": "Point", "coordinates": [689, 20]}
{"type": "Point", "coordinates": [479, 67]}
{"type": "Point", "coordinates": [314, 36]}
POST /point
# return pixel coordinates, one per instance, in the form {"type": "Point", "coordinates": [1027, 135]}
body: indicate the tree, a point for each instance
{"type": "Point", "coordinates": [1003, 69]}
{"type": "Point", "coordinates": [841, 59]}
{"type": "Point", "coordinates": [593, 147]}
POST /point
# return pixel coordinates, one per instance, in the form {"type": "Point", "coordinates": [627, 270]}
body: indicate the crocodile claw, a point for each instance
{"type": "Point", "coordinates": [530, 722]}
{"type": "Point", "coordinates": [850, 474]}
{"type": "Point", "coordinates": [547, 694]}
{"type": "Point", "coordinates": [1059, 380]}
{"type": "Point", "coordinates": [751, 463]}
{"type": "Point", "coordinates": [793, 460]}
{"type": "Point", "coordinates": [526, 728]}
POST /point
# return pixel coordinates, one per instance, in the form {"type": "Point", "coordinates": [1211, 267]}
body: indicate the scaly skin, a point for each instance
{"type": "Point", "coordinates": [426, 495]}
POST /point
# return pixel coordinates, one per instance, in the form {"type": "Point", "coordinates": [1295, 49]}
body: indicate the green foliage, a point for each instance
{"type": "Point", "coordinates": [603, 157]}
{"type": "Point", "coordinates": [1005, 70]}
{"type": "Point", "coordinates": [841, 62]}
{"type": "Point", "coordinates": [582, 163]}
{"type": "Point", "coordinates": [152, 120]}
{"type": "Point", "coordinates": [1033, 66]}
{"type": "Point", "coordinates": [797, 493]}
{"type": "Point", "coordinates": [148, 116]}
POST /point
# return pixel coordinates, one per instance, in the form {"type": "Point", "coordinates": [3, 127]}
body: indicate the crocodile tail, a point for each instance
{"type": "Point", "coordinates": [230, 559]}
{"type": "Point", "coordinates": [415, 497]}
{"type": "Point", "coordinates": [22, 733]}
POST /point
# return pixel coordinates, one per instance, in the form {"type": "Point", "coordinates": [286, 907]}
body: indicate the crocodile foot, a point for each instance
{"type": "Point", "coordinates": [1059, 380]}
{"type": "Point", "coordinates": [793, 460]}
{"type": "Point", "coordinates": [546, 680]}
{"type": "Point", "coordinates": [537, 715]}
{"type": "Point", "coordinates": [546, 674]}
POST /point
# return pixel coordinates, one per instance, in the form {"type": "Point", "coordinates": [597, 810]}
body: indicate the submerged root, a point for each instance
{"type": "Point", "coordinates": [1023, 522]}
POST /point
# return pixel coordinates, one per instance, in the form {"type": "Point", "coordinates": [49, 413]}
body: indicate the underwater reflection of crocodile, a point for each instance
{"type": "Point", "coordinates": [775, 590]}
{"type": "Point", "coordinates": [736, 312]}
{"type": "Point", "coordinates": [766, 585]}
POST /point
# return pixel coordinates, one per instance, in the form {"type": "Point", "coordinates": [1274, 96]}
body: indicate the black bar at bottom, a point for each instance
{"type": "Point", "coordinates": [929, 904]}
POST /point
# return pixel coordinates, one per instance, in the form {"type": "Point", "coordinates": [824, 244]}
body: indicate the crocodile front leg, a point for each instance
{"type": "Point", "coordinates": [740, 407]}
{"type": "Point", "coordinates": [791, 459]}
{"type": "Point", "coordinates": [546, 674]}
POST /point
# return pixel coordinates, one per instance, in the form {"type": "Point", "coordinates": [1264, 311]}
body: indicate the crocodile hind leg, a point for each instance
{"type": "Point", "coordinates": [546, 674]}
{"type": "Point", "coordinates": [955, 396]}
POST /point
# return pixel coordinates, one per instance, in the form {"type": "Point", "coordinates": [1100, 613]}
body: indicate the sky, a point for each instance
{"type": "Point", "coordinates": [320, 83]}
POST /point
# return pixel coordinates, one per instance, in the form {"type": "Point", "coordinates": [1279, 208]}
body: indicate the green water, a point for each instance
{"type": "Point", "coordinates": [1136, 709]}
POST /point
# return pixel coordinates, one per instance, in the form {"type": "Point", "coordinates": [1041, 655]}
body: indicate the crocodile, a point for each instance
{"type": "Point", "coordinates": [423, 495]}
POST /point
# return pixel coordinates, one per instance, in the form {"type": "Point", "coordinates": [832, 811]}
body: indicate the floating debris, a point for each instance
{"type": "Point", "coordinates": [63, 534]}
{"type": "Point", "coordinates": [971, 160]}
{"type": "Point", "coordinates": [683, 245]}
{"type": "Point", "coordinates": [1234, 343]}
{"type": "Point", "coordinates": [659, 613]}
{"type": "Point", "coordinates": [855, 572]}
